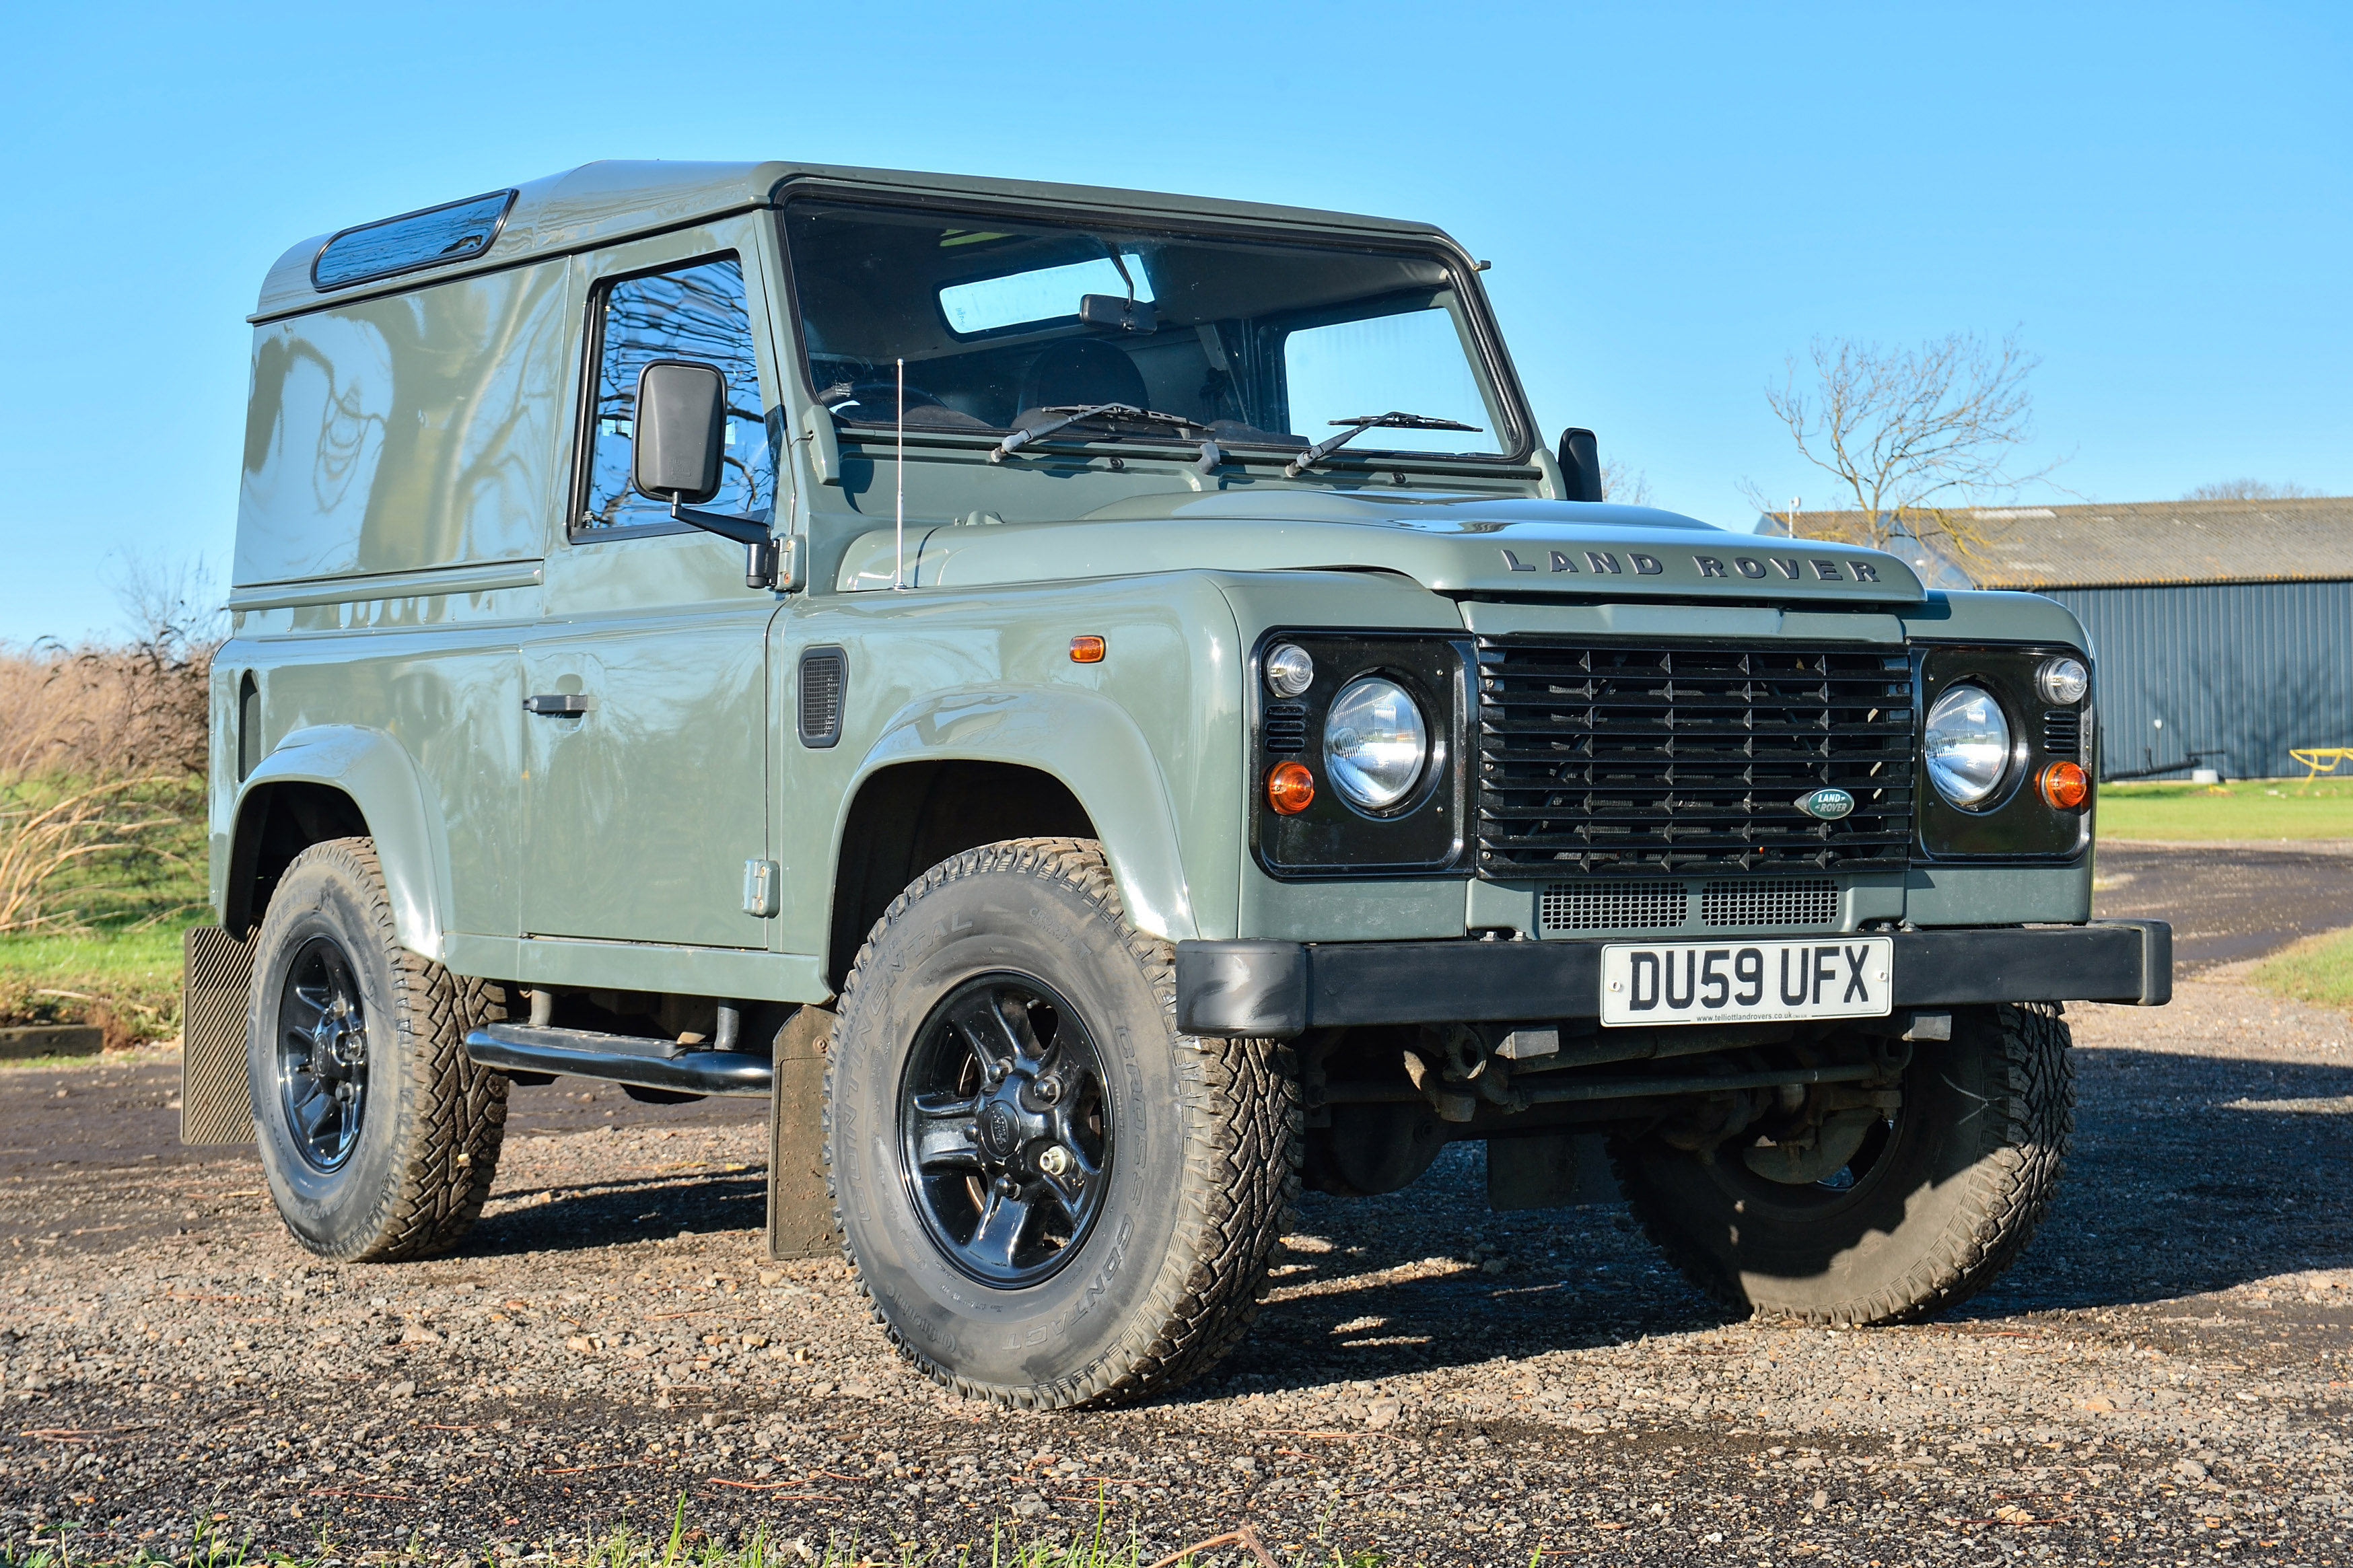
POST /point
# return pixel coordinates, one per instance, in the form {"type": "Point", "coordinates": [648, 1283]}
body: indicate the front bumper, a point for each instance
{"type": "Point", "coordinates": [1277, 989]}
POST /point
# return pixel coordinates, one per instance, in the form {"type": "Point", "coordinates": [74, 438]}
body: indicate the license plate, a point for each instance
{"type": "Point", "coordinates": [1753, 982]}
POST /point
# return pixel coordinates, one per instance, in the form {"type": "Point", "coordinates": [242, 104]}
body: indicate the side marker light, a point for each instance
{"type": "Point", "coordinates": [1086, 650]}
{"type": "Point", "coordinates": [2062, 785]}
{"type": "Point", "coordinates": [1290, 788]}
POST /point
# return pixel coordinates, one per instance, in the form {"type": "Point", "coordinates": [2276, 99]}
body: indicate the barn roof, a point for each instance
{"type": "Point", "coordinates": [2132, 543]}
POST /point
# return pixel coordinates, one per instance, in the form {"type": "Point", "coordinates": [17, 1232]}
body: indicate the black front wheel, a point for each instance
{"type": "Point", "coordinates": [1051, 1196]}
{"type": "Point", "coordinates": [378, 1137]}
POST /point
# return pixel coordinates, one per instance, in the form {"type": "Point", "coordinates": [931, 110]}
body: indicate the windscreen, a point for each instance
{"type": "Point", "coordinates": [1253, 343]}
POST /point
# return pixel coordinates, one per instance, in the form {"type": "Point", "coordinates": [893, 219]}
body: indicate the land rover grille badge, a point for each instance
{"type": "Point", "coordinates": [1826, 805]}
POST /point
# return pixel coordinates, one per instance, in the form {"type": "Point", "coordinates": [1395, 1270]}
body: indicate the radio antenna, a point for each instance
{"type": "Point", "coordinates": [899, 572]}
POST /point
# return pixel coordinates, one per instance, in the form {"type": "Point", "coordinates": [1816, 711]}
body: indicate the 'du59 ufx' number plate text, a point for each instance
{"type": "Point", "coordinates": [1756, 982]}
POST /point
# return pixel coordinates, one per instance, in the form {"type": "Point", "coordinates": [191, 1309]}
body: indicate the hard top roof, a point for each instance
{"type": "Point", "coordinates": [602, 202]}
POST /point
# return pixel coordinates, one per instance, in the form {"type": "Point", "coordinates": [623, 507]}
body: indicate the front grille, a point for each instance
{"type": "Point", "coordinates": [1611, 906]}
{"type": "Point", "coordinates": [2062, 733]}
{"type": "Point", "coordinates": [1808, 902]}
{"type": "Point", "coordinates": [1617, 758]}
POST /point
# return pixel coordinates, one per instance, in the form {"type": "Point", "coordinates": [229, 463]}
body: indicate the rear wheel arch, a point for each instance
{"type": "Point", "coordinates": [335, 782]}
{"type": "Point", "coordinates": [274, 823]}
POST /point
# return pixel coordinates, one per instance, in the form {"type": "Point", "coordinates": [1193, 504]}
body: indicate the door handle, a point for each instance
{"type": "Point", "coordinates": [562, 704]}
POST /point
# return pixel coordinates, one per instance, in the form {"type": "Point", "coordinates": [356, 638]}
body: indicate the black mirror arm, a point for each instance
{"type": "Point", "coordinates": [761, 555]}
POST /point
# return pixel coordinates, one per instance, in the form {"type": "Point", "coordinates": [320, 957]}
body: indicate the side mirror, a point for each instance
{"type": "Point", "coordinates": [1580, 463]}
{"type": "Point", "coordinates": [680, 430]}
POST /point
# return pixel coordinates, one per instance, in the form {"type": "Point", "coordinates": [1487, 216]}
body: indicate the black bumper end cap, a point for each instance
{"type": "Point", "coordinates": [1246, 989]}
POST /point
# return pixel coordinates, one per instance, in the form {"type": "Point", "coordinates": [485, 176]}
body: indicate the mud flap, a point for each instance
{"type": "Point", "coordinates": [800, 1215]}
{"type": "Point", "coordinates": [217, 986]}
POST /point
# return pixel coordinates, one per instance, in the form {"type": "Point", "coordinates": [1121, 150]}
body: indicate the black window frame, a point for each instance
{"type": "Point", "coordinates": [584, 454]}
{"type": "Point", "coordinates": [1461, 270]}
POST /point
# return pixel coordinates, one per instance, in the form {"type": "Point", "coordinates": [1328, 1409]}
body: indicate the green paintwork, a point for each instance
{"type": "Point", "coordinates": [1995, 895]}
{"type": "Point", "coordinates": [404, 577]}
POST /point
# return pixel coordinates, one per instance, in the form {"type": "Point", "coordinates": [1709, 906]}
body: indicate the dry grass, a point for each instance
{"type": "Point", "coordinates": [102, 753]}
{"type": "Point", "coordinates": [104, 713]}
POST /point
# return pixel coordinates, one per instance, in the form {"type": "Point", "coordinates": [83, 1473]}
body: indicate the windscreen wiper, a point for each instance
{"type": "Point", "coordinates": [1392, 420]}
{"type": "Point", "coordinates": [1073, 414]}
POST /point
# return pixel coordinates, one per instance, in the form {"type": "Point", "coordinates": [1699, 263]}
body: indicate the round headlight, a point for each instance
{"type": "Point", "coordinates": [1968, 744]}
{"type": "Point", "coordinates": [2063, 680]}
{"type": "Point", "coordinates": [1374, 743]}
{"type": "Point", "coordinates": [1288, 670]}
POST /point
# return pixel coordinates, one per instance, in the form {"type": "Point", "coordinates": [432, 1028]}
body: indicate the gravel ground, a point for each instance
{"type": "Point", "coordinates": [2163, 1378]}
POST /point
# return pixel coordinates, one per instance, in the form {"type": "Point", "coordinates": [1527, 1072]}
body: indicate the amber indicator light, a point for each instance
{"type": "Point", "coordinates": [1086, 650]}
{"type": "Point", "coordinates": [1290, 788]}
{"type": "Point", "coordinates": [2063, 786]}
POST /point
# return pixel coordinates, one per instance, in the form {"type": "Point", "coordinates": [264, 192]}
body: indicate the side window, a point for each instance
{"type": "Point", "coordinates": [694, 312]}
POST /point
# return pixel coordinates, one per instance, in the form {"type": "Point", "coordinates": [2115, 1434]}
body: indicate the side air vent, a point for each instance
{"type": "Point", "coordinates": [2063, 733]}
{"type": "Point", "coordinates": [825, 677]}
{"type": "Point", "coordinates": [1809, 901]}
{"type": "Point", "coordinates": [1612, 906]}
{"type": "Point", "coordinates": [1286, 727]}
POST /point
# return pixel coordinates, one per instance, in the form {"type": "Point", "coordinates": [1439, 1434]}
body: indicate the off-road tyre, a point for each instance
{"type": "Point", "coordinates": [1956, 1192]}
{"type": "Point", "coordinates": [1202, 1179]}
{"type": "Point", "coordinates": [428, 1139]}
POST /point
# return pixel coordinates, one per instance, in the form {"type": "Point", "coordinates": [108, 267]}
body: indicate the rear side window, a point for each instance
{"type": "Point", "coordinates": [452, 232]}
{"type": "Point", "coordinates": [696, 312]}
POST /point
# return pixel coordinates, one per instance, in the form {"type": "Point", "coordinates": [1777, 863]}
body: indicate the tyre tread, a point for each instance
{"type": "Point", "coordinates": [2009, 1191]}
{"type": "Point", "coordinates": [459, 1108]}
{"type": "Point", "coordinates": [1243, 1127]}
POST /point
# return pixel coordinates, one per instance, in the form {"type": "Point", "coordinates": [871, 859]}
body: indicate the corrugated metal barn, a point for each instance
{"type": "Point", "coordinates": [2224, 627]}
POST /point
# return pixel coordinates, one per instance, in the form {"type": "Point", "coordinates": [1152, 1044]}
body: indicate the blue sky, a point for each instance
{"type": "Point", "coordinates": [1675, 198]}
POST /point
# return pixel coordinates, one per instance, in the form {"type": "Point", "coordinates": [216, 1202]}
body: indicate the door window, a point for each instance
{"type": "Point", "coordinates": [696, 312]}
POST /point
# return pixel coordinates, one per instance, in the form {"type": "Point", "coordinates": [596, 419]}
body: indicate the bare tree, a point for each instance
{"type": "Point", "coordinates": [2248, 489]}
{"type": "Point", "coordinates": [171, 606]}
{"type": "Point", "coordinates": [1626, 485]}
{"type": "Point", "coordinates": [1913, 435]}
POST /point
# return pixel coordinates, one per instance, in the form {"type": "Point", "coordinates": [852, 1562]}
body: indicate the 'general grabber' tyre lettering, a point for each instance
{"type": "Point", "coordinates": [378, 1136]}
{"type": "Point", "coordinates": [1953, 1193]}
{"type": "Point", "coordinates": [1051, 1196]}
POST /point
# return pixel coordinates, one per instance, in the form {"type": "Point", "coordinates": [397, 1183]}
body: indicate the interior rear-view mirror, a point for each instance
{"type": "Point", "coordinates": [1112, 311]}
{"type": "Point", "coordinates": [680, 430]}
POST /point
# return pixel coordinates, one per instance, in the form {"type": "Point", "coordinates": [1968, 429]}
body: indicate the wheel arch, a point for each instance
{"type": "Point", "coordinates": [952, 773]}
{"type": "Point", "coordinates": [334, 781]}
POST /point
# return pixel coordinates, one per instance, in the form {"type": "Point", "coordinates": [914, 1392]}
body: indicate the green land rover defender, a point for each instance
{"type": "Point", "coordinates": [1104, 708]}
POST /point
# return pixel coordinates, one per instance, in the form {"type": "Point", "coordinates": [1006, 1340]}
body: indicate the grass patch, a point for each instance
{"type": "Point", "coordinates": [107, 949]}
{"type": "Point", "coordinates": [2244, 808]}
{"type": "Point", "coordinates": [2317, 969]}
{"type": "Point", "coordinates": [128, 981]}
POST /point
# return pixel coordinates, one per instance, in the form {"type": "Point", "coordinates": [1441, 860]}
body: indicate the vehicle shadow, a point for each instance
{"type": "Point", "coordinates": [2188, 1174]}
{"type": "Point", "coordinates": [586, 1215]}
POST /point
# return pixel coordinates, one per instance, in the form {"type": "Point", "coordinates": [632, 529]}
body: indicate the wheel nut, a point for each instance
{"type": "Point", "coordinates": [1055, 1161]}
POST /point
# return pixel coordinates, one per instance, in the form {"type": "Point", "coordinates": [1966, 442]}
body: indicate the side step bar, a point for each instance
{"type": "Point", "coordinates": [620, 1058]}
